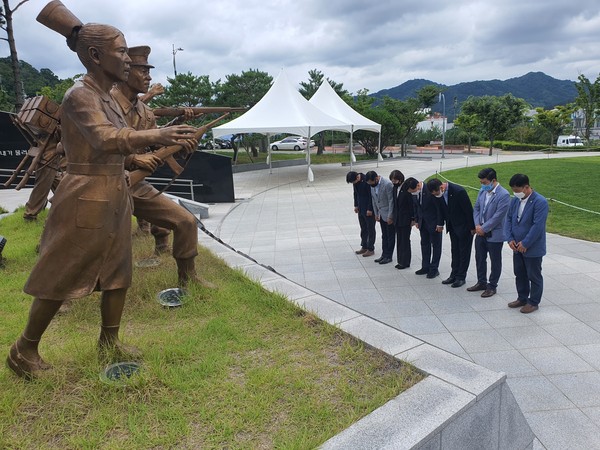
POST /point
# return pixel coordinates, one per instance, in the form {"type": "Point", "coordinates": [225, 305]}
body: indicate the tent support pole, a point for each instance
{"type": "Point", "coordinates": [269, 153]}
{"type": "Point", "coordinates": [351, 145]}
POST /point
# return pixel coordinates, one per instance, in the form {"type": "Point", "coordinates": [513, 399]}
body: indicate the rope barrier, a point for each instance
{"type": "Point", "coordinates": [550, 199]}
{"type": "Point", "coordinates": [572, 206]}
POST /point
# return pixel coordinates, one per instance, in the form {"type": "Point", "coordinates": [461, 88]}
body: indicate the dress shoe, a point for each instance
{"type": "Point", "coordinates": [477, 287]}
{"type": "Point", "coordinates": [433, 274]}
{"type": "Point", "coordinates": [458, 283]}
{"type": "Point", "coordinates": [378, 260]}
{"type": "Point", "coordinates": [422, 271]}
{"type": "Point", "coordinates": [528, 309]}
{"type": "Point", "coordinates": [368, 253]}
{"type": "Point", "coordinates": [385, 261]}
{"type": "Point", "coordinates": [361, 251]}
{"type": "Point", "coordinates": [517, 304]}
{"type": "Point", "coordinates": [488, 293]}
{"type": "Point", "coordinates": [400, 267]}
{"type": "Point", "coordinates": [449, 280]}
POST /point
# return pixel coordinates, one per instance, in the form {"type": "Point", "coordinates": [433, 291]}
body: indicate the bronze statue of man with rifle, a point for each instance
{"type": "Point", "coordinates": [148, 203]}
{"type": "Point", "coordinates": [86, 243]}
{"type": "Point", "coordinates": [47, 177]}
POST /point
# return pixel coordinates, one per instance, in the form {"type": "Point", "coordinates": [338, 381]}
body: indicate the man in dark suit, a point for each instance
{"type": "Point", "coordinates": [458, 214]}
{"type": "Point", "coordinates": [489, 214]}
{"type": "Point", "coordinates": [430, 222]}
{"type": "Point", "coordinates": [363, 206]}
{"type": "Point", "coordinates": [404, 217]}
{"type": "Point", "coordinates": [525, 231]}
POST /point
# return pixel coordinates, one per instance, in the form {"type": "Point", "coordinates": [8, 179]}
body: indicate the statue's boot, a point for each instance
{"type": "Point", "coordinates": [111, 348]}
{"type": "Point", "coordinates": [161, 245]}
{"type": "Point", "coordinates": [24, 358]}
{"type": "Point", "coordinates": [111, 310]}
{"type": "Point", "coordinates": [186, 273]}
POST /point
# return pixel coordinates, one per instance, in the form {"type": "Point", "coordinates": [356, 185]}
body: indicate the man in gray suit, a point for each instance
{"type": "Point", "coordinates": [382, 191]}
{"type": "Point", "coordinates": [489, 214]}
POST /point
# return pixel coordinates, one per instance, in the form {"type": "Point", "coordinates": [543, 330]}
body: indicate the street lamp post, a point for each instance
{"type": "Point", "coordinates": [442, 98]}
{"type": "Point", "coordinates": [175, 50]}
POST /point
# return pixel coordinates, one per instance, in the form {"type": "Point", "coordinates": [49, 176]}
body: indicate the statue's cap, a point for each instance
{"type": "Point", "coordinates": [139, 56]}
{"type": "Point", "coordinates": [57, 17]}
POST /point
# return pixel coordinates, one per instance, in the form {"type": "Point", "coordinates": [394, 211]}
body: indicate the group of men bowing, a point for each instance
{"type": "Point", "coordinates": [86, 243]}
{"type": "Point", "coordinates": [398, 204]}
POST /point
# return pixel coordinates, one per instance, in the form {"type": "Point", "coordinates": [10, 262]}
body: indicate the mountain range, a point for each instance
{"type": "Point", "coordinates": [537, 88]}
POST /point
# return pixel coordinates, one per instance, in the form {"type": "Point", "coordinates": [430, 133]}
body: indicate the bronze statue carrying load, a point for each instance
{"type": "Point", "coordinates": [86, 243]}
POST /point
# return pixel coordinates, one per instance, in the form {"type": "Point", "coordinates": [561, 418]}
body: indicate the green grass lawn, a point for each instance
{"type": "Point", "coordinates": [569, 180]}
{"type": "Point", "coordinates": [235, 367]}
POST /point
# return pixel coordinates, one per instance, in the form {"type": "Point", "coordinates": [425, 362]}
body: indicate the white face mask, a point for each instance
{"type": "Point", "coordinates": [415, 193]}
{"type": "Point", "coordinates": [520, 195]}
{"type": "Point", "coordinates": [440, 195]}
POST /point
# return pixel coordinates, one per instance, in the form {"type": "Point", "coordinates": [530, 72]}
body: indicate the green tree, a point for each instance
{"type": "Point", "coordinates": [308, 89]}
{"type": "Point", "coordinates": [246, 90]}
{"type": "Point", "coordinates": [496, 115]}
{"type": "Point", "coordinates": [6, 23]}
{"type": "Point", "coordinates": [6, 103]}
{"type": "Point", "coordinates": [553, 121]}
{"type": "Point", "coordinates": [469, 124]}
{"type": "Point", "coordinates": [187, 90]}
{"type": "Point", "coordinates": [57, 92]}
{"type": "Point", "coordinates": [588, 99]}
{"type": "Point", "coordinates": [363, 103]}
{"type": "Point", "coordinates": [428, 95]}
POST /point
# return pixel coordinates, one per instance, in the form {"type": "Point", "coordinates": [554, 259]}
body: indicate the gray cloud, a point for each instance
{"type": "Point", "coordinates": [360, 43]}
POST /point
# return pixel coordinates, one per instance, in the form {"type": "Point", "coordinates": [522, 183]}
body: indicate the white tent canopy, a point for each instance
{"type": "Point", "coordinates": [326, 99]}
{"type": "Point", "coordinates": [282, 110]}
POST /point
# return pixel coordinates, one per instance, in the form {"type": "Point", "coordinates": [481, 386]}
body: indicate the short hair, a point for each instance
{"type": "Point", "coordinates": [519, 180]}
{"type": "Point", "coordinates": [488, 174]}
{"type": "Point", "coordinates": [351, 177]}
{"type": "Point", "coordinates": [397, 175]}
{"type": "Point", "coordinates": [434, 185]}
{"type": "Point", "coordinates": [370, 176]}
{"type": "Point", "coordinates": [411, 183]}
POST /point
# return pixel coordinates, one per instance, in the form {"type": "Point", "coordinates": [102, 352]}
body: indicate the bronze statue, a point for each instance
{"type": "Point", "coordinates": [148, 203]}
{"type": "Point", "coordinates": [47, 178]}
{"type": "Point", "coordinates": [86, 243]}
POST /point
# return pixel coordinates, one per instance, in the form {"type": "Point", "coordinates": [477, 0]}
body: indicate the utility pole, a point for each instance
{"type": "Point", "coordinates": [175, 50]}
{"type": "Point", "coordinates": [442, 97]}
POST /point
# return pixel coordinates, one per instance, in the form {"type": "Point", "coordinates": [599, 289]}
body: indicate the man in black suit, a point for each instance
{"type": "Point", "coordinates": [404, 217]}
{"type": "Point", "coordinates": [430, 222]}
{"type": "Point", "coordinates": [458, 214]}
{"type": "Point", "coordinates": [363, 206]}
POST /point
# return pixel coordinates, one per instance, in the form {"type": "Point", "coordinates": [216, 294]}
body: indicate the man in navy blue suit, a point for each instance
{"type": "Point", "coordinates": [525, 231]}
{"type": "Point", "coordinates": [363, 206]}
{"type": "Point", "coordinates": [430, 222]}
{"type": "Point", "coordinates": [458, 213]}
{"type": "Point", "coordinates": [404, 217]}
{"type": "Point", "coordinates": [489, 214]}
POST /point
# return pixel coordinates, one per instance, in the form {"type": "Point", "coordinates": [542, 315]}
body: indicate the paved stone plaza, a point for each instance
{"type": "Point", "coordinates": [308, 233]}
{"type": "Point", "coordinates": [551, 357]}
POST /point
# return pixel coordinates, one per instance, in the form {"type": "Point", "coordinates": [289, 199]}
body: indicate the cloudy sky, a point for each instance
{"type": "Point", "coordinates": [372, 44]}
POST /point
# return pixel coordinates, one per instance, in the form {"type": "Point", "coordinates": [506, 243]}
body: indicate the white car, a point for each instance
{"type": "Point", "coordinates": [291, 143]}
